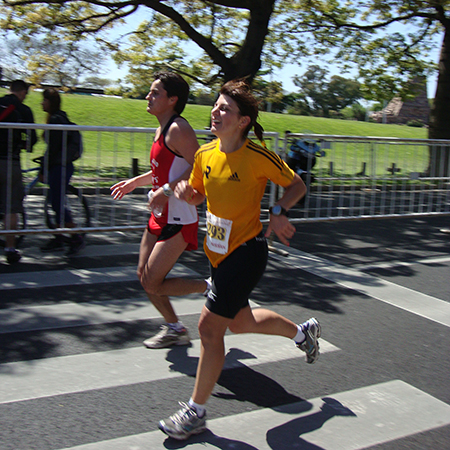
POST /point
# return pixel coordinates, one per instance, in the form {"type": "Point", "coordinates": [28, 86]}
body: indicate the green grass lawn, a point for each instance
{"type": "Point", "coordinates": [117, 112]}
{"type": "Point", "coordinates": [109, 155]}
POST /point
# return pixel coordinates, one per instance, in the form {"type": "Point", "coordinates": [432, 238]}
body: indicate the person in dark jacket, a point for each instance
{"type": "Point", "coordinates": [57, 170]}
{"type": "Point", "coordinates": [12, 141]}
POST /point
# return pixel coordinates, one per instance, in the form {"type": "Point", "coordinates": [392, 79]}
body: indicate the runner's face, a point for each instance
{"type": "Point", "coordinates": [158, 101]}
{"type": "Point", "coordinates": [46, 105]}
{"type": "Point", "coordinates": [225, 118]}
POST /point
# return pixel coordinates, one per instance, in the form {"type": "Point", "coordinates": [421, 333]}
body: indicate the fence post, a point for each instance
{"type": "Point", "coordinates": [135, 167]}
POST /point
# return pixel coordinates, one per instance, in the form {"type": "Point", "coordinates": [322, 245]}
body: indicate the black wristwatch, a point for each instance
{"type": "Point", "coordinates": [277, 210]}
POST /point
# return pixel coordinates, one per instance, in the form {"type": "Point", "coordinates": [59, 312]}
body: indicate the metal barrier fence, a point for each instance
{"type": "Point", "coordinates": [348, 177]}
{"type": "Point", "coordinates": [351, 177]}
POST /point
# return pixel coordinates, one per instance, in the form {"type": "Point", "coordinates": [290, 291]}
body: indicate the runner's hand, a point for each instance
{"type": "Point", "coordinates": [281, 226]}
{"type": "Point", "coordinates": [184, 191]}
{"type": "Point", "coordinates": [122, 188]}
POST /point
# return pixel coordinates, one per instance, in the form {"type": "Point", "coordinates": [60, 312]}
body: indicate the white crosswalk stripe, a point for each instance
{"type": "Point", "coordinates": [77, 373]}
{"type": "Point", "coordinates": [365, 414]}
{"type": "Point", "coordinates": [349, 420]}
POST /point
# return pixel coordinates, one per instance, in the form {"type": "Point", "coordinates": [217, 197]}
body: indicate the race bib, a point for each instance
{"type": "Point", "coordinates": [217, 233]}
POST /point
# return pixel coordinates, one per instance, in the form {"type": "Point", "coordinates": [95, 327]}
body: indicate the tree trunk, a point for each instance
{"type": "Point", "coordinates": [439, 164]}
{"type": "Point", "coordinates": [246, 62]}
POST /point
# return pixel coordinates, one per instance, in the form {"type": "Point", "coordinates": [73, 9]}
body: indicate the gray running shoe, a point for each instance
{"type": "Point", "coordinates": [184, 423]}
{"type": "Point", "coordinates": [310, 345]}
{"type": "Point", "coordinates": [168, 337]}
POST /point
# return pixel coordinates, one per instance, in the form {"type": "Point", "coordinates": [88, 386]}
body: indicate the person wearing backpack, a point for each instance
{"type": "Point", "coordinates": [57, 170]}
{"type": "Point", "coordinates": [12, 141]}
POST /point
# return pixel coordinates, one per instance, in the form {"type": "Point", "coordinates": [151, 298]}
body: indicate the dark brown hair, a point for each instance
{"type": "Point", "coordinates": [240, 91]}
{"type": "Point", "coordinates": [175, 86]}
{"type": "Point", "coordinates": [52, 95]}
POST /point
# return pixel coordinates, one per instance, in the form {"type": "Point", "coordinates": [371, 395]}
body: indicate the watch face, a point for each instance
{"type": "Point", "coordinates": [167, 190]}
{"type": "Point", "coordinates": [276, 210]}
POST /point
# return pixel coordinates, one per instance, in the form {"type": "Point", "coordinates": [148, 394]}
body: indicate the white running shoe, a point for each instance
{"type": "Point", "coordinates": [183, 423]}
{"type": "Point", "coordinates": [168, 337]}
{"type": "Point", "coordinates": [312, 330]}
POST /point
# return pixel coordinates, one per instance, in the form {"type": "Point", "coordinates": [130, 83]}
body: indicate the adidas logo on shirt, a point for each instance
{"type": "Point", "coordinates": [234, 177]}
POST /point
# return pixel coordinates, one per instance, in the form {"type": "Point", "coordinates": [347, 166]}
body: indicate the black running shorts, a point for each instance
{"type": "Point", "coordinates": [236, 277]}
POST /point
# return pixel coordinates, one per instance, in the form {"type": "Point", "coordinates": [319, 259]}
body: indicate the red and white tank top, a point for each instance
{"type": "Point", "coordinates": [167, 166]}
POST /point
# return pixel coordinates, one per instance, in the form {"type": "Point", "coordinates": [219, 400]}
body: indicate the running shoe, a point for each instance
{"type": "Point", "coordinates": [184, 423]}
{"type": "Point", "coordinates": [12, 256]}
{"type": "Point", "coordinates": [311, 328]}
{"type": "Point", "coordinates": [168, 337]}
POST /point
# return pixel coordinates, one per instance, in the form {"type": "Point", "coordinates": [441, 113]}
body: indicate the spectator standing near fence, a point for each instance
{"type": "Point", "coordinates": [12, 142]}
{"type": "Point", "coordinates": [173, 224]}
{"type": "Point", "coordinates": [232, 173]}
{"type": "Point", "coordinates": [57, 170]}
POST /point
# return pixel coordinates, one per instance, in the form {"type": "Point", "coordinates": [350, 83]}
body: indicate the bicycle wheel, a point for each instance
{"type": "Point", "coordinates": [76, 203]}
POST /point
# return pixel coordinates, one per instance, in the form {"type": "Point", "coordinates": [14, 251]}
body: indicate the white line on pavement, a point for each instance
{"type": "Point", "coordinates": [78, 373]}
{"type": "Point", "coordinates": [352, 420]}
{"type": "Point", "coordinates": [393, 264]}
{"type": "Point", "coordinates": [52, 278]}
{"type": "Point", "coordinates": [412, 301]}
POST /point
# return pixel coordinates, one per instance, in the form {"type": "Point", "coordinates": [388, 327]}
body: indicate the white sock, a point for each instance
{"type": "Point", "coordinates": [177, 326]}
{"type": "Point", "coordinates": [199, 409]}
{"type": "Point", "coordinates": [300, 336]}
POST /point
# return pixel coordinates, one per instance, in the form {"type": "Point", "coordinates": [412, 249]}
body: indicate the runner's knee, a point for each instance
{"type": "Point", "coordinates": [151, 286]}
{"type": "Point", "coordinates": [210, 334]}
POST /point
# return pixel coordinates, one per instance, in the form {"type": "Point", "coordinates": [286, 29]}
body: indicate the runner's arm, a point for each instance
{"type": "Point", "coordinates": [126, 186]}
{"type": "Point", "coordinates": [280, 225]}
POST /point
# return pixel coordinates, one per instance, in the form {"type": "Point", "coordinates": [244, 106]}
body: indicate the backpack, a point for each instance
{"type": "Point", "coordinates": [74, 141]}
{"type": "Point", "coordinates": [74, 144]}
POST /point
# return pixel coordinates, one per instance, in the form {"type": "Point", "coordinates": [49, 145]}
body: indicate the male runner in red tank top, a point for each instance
{"type": "Point", "coordinates": [174, 230]}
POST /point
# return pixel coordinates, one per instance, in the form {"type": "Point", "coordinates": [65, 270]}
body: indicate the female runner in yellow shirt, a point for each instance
{"type": "Point", "coordinates": [232, 173]}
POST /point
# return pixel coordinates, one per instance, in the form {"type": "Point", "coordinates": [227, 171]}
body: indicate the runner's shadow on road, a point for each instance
{"type": "Point", "coordinates": [288, 436]}
{"type": "Point", "coordinates": [242, 383]}
{"type": "Point", "coordinates": [208, 437]}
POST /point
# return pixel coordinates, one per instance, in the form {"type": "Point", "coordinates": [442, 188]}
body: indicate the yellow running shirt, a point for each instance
{"type": "Point", "coordinates": [234, 184]}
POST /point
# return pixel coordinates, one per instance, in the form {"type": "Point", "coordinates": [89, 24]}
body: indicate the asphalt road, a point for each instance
{"type": "Point", "coordinates": [74, 373]}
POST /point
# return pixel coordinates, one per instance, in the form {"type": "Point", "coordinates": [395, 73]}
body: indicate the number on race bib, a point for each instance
{"type": "Point", "coordinates": [216, 232]}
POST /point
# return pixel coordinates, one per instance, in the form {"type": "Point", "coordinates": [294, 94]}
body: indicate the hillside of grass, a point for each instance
{"type": "Point", "coordinates": [117, 112]}
{"type": "Point", "coordinates": [108, 156]}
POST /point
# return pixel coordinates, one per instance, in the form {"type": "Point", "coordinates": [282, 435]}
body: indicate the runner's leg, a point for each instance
{"type": "Point", "coordinates": [264, 321]}
{"type": "Point", "coordinates": [212, 329]}
{"type": "Point", "coordinates": [156, 259]}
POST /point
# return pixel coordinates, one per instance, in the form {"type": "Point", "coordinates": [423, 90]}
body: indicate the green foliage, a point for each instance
{"type": "Point", "coordinates": [160, 43]}
{"type": "Point", "coordinates": [326, 98]}
{"type": "Point", "coordinates": [207, 41]}
{"type": "Point", "coordinates": [415, 123]}
{"type": "Point", "coordinates": [270, 94]}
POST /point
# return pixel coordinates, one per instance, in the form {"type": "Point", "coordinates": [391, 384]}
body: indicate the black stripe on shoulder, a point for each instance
{"type": "Point", "coordinates": [270, 155]}
{"type": "Point", "coordinates": [207, 147]}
